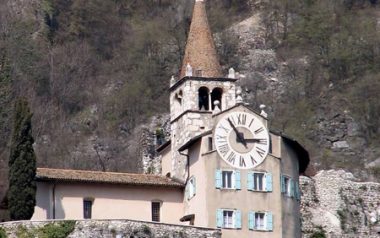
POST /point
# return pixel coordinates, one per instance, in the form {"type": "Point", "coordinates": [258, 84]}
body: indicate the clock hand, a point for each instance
{"type": "Point", "coordinates": [253, 140]}
{"type": "Point", "coordinates": [238, 134]}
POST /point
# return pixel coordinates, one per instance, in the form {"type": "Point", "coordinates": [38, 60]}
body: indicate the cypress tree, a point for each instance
{"type": "Point", "coordinates": [22, 165]}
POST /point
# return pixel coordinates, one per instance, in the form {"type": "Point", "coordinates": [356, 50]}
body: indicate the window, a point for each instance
{"type": "Point", "coordinates": [210, 145]}
{"type": "Point", "coordinates": [87, 208]}
{"type": "Point", "coordinates": [260, 181]}
{"type": "Point", "coordinates": [156, 211]}
{"type": "Point", "coordinates": [216, 95]}
{"type": "Point", "coordinates": [287, 186]}
{"type": "Point", "coordinates": [190, 188]}
{"type": "Point", "coordinates": [203, 99]}
{"type": "Point", "coordinates": [227, 179]}
{"type": "Point", "coordinates": [262, 221]}
{"type": "Point", "coordinates": [259, 221]}
{"type": "Point", "coordinates": [228, 218]}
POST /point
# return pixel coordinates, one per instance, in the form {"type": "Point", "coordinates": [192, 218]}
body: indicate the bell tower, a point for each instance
{"type": "Point", "coordinates": [200, 92]}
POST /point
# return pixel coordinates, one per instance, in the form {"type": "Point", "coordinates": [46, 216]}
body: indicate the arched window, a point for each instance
{"type": "Point", "coordinates": [216, 95]}
{"type": "Point", "coordinates": [203, 101]}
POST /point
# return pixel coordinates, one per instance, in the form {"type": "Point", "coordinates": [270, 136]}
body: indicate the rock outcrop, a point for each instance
{"type": "Point", "coordinates": [337, 204]}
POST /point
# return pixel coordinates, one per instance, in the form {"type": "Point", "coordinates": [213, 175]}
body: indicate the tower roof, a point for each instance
{"type": "Point", "coordinates": [200, 50]}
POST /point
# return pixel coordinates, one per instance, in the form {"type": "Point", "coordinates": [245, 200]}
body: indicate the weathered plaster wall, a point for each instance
{"type": "Point", "coordinates": [335, 202]}
{"type": "Point", "coordinates": [120, 229]}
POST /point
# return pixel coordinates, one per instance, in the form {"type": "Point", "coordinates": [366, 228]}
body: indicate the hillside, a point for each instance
{"type": "Point", "coordinates": [96, 72]}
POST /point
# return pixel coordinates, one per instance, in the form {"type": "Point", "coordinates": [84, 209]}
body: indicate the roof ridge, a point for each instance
{"type": "Point", "coordinates": [95, 171]}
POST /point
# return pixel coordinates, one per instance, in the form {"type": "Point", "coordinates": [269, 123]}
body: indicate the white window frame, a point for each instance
{"type": "Point", "coordinates": [264, 220]}
{"type": "Point", "coordinates": [226, 182]}
{"type": "Point", "coordinates": [232, 225]}
{"type": "Point", "coordinates": [263, 181]}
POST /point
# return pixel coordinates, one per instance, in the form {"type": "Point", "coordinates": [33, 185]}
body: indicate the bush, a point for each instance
{"type": "Point", "coordinates": [3, 234]}
{"type": "Point", "coordinates": [57, 229]}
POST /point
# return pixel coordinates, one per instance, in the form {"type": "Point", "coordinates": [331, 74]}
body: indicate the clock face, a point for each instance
{"type": "Point", "coordinates": [242, 140]}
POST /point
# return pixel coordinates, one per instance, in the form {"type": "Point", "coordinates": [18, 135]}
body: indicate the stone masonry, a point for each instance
{"type": "Point", "coordinates": [118, 229]}
{"type": "Point", "coordinates": [335, 203]}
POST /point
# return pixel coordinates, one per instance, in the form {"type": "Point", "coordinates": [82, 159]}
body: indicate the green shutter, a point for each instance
{"type": "Point", "coordinates": [250, 181]}
{"type": "Point", "coordinates": [218, 178]}
{"type": "Point", "coordinates": [251, 220]}
{"type": "Point", "coordinates": [269, 221]}
{"type": "Point", "coordinates": [237, 219]}
{"type": "Point", "coordinates": [269, 182]}
{"type": "Point", "coordinates": [237, 180]}
{"type": "Point", "coordinates": [219, 218]}
{"type": "Point", "coordinates": [283, 188]}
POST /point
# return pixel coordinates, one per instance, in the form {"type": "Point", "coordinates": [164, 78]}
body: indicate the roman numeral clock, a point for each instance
{"type": "Point", "coordinates": [242, 140]}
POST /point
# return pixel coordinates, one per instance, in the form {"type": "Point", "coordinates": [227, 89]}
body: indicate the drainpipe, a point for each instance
{"type": "Point", "coordinates": [54, 200]}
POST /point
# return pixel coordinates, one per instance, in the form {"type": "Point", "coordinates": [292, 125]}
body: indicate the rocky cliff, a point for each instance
{"type": "Point", "coordinates": [336, 204]}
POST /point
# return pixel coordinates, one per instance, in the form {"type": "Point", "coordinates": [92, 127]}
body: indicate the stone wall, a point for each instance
{"type": "Point", "coordinates": [117, 229]}
{"type": "Point", "coordinates": [335, 203]}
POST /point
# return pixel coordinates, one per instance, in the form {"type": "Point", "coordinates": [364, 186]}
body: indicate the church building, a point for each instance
{"type": "Point", "coordinates": [222, 168]}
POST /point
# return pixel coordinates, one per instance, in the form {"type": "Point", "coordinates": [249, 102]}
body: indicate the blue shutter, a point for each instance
{"type": "Point", "coordinates": [250, 181]}
{"type": "Point", "coordinates": [269, 225]}
{"type": "Point", "coordinates": [283, 189]}
{"type": "Point", "coordinates": [291, 182]}
{"type": "Point", "coordinates": [251, 220]}
{"type": "Point", "coordinates": [237, 180]}
{"type": "Point", "coordinates": [218, 178]}
{"type": "Point", "coordinates": [238, 219]}
{"type": "Point", "coordinates": [219, 218]}
{"type": "Point", "coordinates": [269, 182]}
{"type": "Point", "coordinates": [194, 186]}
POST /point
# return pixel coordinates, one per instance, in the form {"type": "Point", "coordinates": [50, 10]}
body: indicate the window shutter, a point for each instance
{"type": "Point", "coordinates": [291, 182]}
{"type": "Point", "coordinates": [269, 182]}
{"type": "Point", "coordinates": [194, 186]}
{"type": "Point", "coordinates": [238, 219]}
{"type": "Point", "coordinates": [219, 218]}
{"type": "Point", "coordinates": [187, 192]}
{"type": "Point", "coordinates": [237, 180]}
{"type": "Point", "coordinates": [251, 220]}
{"type": "Point", "coordinates": [298, 191]}
{"type": "Point", "coordinates": [250, 181]}
{"type": "Point", "coordinates": [269, 220]}
{"type": "Point", "coordinates": [283, 189]}
{"type": "Point", "coordinates": [218, 178]}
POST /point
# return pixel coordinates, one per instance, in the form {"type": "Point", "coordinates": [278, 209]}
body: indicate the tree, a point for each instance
{"type": "Point", "coordinates": [22, 165]}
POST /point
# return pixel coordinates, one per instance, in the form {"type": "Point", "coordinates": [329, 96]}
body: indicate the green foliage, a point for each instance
{"type": "Point", "coordinates": [318, 234]}
{"type": "Point", "coordinates": [23, 232]}
{"type": "Point", "coordinates": [3, 233]}
{"type": "Point", "coordinates": [22, 165]}
{"type": "Point", "coordinates": [57, 229]}
{"type": "Point", "coordinates": [61, 229]}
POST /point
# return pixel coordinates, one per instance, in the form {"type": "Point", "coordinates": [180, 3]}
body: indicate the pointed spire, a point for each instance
{"type": "Point", "coordinates": [200, 50]}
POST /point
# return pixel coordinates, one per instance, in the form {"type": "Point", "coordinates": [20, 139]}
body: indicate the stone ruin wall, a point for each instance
{"type": "Point", "coordinates": [335, 203]}
{"type": "Point", "coordinates": [118, 229]}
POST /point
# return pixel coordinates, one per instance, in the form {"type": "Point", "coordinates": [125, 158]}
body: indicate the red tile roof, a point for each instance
{"type": "Point", "coordinates": [45, 174]}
